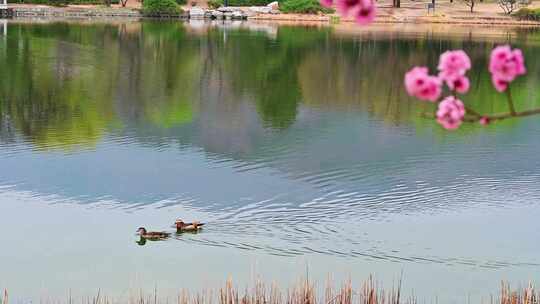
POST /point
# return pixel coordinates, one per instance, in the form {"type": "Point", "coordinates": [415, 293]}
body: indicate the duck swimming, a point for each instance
{"type": "Point", "coordinates": [152, 235]}
{"type": "Point", "coordinates": [187, 227]}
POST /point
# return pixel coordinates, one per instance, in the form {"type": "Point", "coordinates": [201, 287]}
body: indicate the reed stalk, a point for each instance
{"type": "Point", "coordinates": [304, 292]}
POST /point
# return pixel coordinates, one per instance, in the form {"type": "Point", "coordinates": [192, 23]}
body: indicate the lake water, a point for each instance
{"type": "Point", "coordinates": [297, 145]}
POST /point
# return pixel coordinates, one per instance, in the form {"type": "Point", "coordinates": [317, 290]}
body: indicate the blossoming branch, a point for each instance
{"type": "Point", "coordinates": [505, 66]}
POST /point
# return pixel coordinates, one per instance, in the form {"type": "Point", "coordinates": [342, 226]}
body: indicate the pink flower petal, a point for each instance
{"type": "Point", "coordinates": [505, 65]}
{"type": "Point", "coordinates": [421, 85]}
{"type": "Point", "coordinates": [450, 113]}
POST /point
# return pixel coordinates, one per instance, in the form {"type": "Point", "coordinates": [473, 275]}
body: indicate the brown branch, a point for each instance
{"type": "Point", "coordinates": [510, 101]}
{"type": "Point", "coordinates": [493, 117]}
{"type": "Point", "coordinates": [502, 116]}
{"type": "Point", "coordinates": [472, 112]}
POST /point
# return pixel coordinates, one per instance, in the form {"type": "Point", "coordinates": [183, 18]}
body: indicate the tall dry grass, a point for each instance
{"type": "Point", "coordinates": [522, 296]}
{"type": "Point", "coordinates": [370, 292]}
{"type": "Point", "coordinates": [4, 298]}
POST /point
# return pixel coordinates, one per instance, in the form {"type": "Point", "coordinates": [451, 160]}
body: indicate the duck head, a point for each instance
{"type": "Point", "coordinates": [179, 223]}
{"type": "Point", "coordinates": [141, 231]}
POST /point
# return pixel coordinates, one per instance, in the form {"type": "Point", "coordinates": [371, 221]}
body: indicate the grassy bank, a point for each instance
{"type": "Point", "coordinates": [305, 292]}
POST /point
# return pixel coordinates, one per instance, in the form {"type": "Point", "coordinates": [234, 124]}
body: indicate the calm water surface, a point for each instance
{"type": "Point", "coordinates": [297, 145]}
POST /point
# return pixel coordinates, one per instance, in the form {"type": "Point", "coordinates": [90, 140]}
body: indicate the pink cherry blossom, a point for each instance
{"type": "Point", "coordinates": [421, 85]}
{"type": "Point", "coordinates": [363, 11]}
{"type": "Point", "coordinates": [505, 65]}
{"type": "Point", "coordinates": [453, 64]}
{"type": "Point", "coordinates": [450, 113]}
{"type": "Point", "coordinates": [326, 3]}
{"type": "Point", "coordinates": [484, 121]}
{"type": "Point", "coordinates": [461, 84]}
{"type": "Point", "coordinates": [499, 84]}
{"type": "Point", "coordinates": [367, 12]}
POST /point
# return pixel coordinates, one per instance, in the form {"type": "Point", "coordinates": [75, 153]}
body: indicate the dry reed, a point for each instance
{"type": "Point", "coordinates": [302, 293]}
{"type": "Point", "coordinates": [525, 296]}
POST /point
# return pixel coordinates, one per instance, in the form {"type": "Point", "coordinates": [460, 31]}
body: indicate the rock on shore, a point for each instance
{"type": "Point", "coordinates": [233, 13]}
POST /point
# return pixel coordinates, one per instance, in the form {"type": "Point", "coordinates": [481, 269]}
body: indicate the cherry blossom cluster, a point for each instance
{"type": "Point", "coordinates": [505, 65]}
{"type": "Point", "coordinates": [363, 11]}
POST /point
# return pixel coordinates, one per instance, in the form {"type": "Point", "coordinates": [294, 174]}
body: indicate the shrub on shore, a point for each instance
{"type": "Point", "coordinates": [213, 4]}
{"type": "Point", "coordinates": [528, 14]}
{"type": "Point", "coordinates": [303, 7]}
{"type": "Point", "coordinates": [219, 3]}
{"type": "Point", "coordinates": [159, 8]}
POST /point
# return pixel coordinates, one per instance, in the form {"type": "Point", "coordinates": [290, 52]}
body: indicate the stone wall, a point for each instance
{"type": "Point", "coordinates": [42, 11]}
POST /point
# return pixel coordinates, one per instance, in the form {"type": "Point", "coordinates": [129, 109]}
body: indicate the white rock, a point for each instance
{"type": "Point", "coordinates": [261, 9]}
{"type": "Point", "coordinates": [217, 14]}
{"type": "Point", "coordinates": [208, 13]}
{"type": "Point", "coordinates": [237, 15]}
{"type": "Point", "coordinates": [227, 9]}
{"type": "Point", "coordinates": [273, 5]}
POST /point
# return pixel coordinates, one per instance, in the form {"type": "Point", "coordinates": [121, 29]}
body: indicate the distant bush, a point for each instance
{"type": "Point", "coordinates": [58, 3]}
{"type": "Point", "coordinates": [181, 2]}
{"type": "Point", "coordinates": [528, 14]}
{"type": "Point", "coordinates": [303, 7]}
{"type": "Point", "coordinates": [213, 4]}
{"type": "Point", "coordinates": [218, 3]}
{"type": "Point", "coordinates": [157, 8]}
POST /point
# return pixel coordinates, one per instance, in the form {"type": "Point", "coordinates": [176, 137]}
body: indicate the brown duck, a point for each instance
{"type": "Point", "coordinates": [188, 227]}
{"type": "Point", "coordinates": [152, 235]}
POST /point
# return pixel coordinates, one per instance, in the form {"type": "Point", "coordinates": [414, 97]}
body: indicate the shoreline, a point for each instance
{"type": "Point", "coordinates": [420, 20]}
{"type": "Point", "coordinates": [26, 11]}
